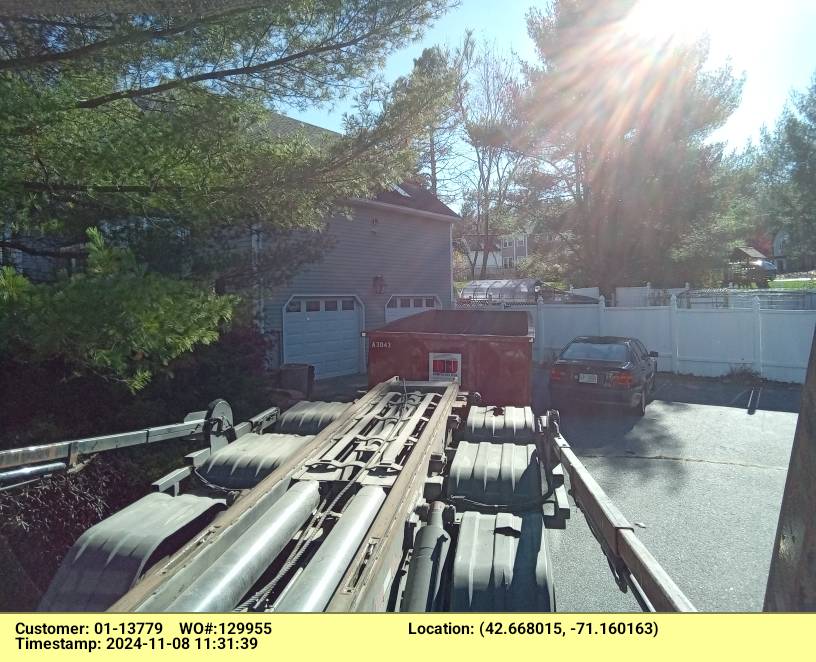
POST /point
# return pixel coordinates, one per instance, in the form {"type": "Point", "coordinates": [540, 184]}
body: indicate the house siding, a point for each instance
{"type": "Point", "coordinates": [411, 253]}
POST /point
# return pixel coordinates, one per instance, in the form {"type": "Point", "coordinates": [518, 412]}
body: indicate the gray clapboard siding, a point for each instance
{"type": "Point", "coordinates": [410, 252]}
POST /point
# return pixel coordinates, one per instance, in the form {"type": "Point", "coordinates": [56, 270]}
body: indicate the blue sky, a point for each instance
{"type": "Point", "coordinates": [773, 43]}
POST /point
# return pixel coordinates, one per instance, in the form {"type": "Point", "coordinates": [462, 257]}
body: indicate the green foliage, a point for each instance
{"type": "Point", "coordinates": [190, 137]}
{"type": "Point", "coordinates": [787, 174]}
{"type": "Point", "coordinates": [475, 148]}
{"type": "Point", "coordinates": [157, 133]}
{"type": "Point", "coordinates": [619, 124]}
{"type": "Point", "coordinates": [13, 286]}
{"type": "Point", "coordinates": [116, 319]}
{"type": "Point", "coordinates": [701, 253]}
{"type": "Point", "coordinates": [543, 268]}
{"type": "Point", "coordinates": [794, 284]}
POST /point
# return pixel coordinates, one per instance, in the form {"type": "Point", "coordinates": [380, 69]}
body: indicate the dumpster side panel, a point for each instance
{"type": "Point", "coordinates": [497, 367]}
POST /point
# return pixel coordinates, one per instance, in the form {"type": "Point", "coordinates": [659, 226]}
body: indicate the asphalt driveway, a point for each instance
{"type": "Point", "coordinates": [701, 476]}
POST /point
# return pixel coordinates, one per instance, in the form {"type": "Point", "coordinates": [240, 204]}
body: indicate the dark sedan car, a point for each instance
{"type": "Point", "coordinates": [603, 370]}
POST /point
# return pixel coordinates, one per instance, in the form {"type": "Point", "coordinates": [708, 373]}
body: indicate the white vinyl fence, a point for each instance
{"type": "Point", "coordinates": [710, 342]}
{"type": "Point", "coordinates": [645, 295]}
{"type": "Point", "coordinates": [586, 291]}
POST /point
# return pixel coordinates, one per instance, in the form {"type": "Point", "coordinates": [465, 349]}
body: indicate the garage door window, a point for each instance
{"type": "Point", "coordinates": [401, 305]}
{"type": "Point", "coordinates": [312, 306]}
{"type": "Point", "coordinates": [330, 305]}
{"type": "Point", "coordinates": [348, 304]}
{"type": "Point", "coordinates": [293, 306]}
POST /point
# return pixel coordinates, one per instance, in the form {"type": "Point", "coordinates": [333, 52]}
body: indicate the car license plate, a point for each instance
{"type": "Point", "coordinates": [585, 378]}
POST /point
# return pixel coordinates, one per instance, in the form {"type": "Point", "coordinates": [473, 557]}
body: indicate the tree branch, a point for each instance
{"type": "Point", "coordinates": [63, 251]}
{"type": "Point", "coordinates": [48, 187]}
{"type": "Point", "coordinates": [218, 75]}
{"type": "Point", "coordinates": [131, 38]}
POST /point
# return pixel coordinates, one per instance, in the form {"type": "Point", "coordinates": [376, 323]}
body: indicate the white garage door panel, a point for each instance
{"type": "Point", "coordinates": [327, 339]}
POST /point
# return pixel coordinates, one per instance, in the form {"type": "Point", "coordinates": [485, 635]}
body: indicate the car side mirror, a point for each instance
{"type": "Point", "coordinates": [654, 355]}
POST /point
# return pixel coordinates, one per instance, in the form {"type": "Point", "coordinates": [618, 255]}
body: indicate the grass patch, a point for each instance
{"type": "Point", "coordinates": [793, 284]}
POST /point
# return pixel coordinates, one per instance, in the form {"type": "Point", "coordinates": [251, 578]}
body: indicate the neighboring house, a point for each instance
{"type": "Point", "coordinates": [505, 253]}
{"type": "Point", "coordinates": [781, 240]}
{"type": "Point", "coordinates": [513, 249]}
{"type": "Point", "coordinates": [781, 255]}
{"type": "Point", "coordinates": [474, 244]}
{"type": "Point", "coordinates": [519, 245]}
{"type": "Point", "coordinates": [391, 259]}
{"type": "Point", "coordinates": [39, 268]}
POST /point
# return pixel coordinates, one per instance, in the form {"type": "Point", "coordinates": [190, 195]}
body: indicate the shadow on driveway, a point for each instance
{"type": "Point", "coordinates": [685, 423]}
{"type": "Point", "coordinates": [619, 435]}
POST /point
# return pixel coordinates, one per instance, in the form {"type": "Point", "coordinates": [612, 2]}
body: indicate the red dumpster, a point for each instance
{"type": "Point", "coordinates": [488, 351]}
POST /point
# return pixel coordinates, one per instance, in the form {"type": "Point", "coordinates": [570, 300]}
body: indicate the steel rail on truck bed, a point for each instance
{"type": "Point", "coordinates": [632, 565]}
{"type": "Point", "coordinates": [31, 462]}
{"type": "Point", "coordinates": [356, 591]}
{"type": "Point", "coordinates": [169, 579]}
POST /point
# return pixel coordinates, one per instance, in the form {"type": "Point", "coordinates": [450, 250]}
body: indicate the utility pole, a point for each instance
{"type": "Point", "coordinates": [792, 580]}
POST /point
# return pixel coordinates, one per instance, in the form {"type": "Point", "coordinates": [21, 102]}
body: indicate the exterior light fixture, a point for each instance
{"type": "Point", "coordinates": [378, 284]}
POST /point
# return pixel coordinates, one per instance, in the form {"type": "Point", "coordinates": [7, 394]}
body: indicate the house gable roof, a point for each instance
{"type": "Point", "coordinates": [747, 252]}
{"type": "Point", "coordinates": [408, 195]}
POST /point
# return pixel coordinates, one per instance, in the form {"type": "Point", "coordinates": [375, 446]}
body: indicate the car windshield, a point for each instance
{"type": "Point", "coordinates": [597, 352]}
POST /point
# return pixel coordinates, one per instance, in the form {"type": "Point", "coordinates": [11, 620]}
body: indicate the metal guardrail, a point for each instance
{"type": "Point", "coordinates": [37, 461]}
{"type": "Point", "coordinates": [632, 565]}
{"type": "Point", "coordinates": [65, 450]}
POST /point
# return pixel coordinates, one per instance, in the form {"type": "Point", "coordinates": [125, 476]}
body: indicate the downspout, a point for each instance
{"type": "Point", "coordinates": [450, 266]}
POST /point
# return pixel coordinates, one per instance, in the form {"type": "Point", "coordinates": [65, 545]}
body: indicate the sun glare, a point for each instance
{"type": "Point", "coordinates": [680, 21]}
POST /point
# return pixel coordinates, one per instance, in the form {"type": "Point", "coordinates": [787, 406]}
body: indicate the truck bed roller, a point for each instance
{"type": "Point", "coordinates": [416, 497]}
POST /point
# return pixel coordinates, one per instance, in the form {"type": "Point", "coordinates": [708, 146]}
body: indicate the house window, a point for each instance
{"type": "Point", "coordinates": [520, 241]}
{"type": "Point", "coordinates": [508, 263]}
{"type": "Point", "coordinates": [293, 306]}
{"type": "Point", "coordinates": [348, 304]}
{"type": "Point", "coordinates": [312, 306]}
{"type": "Point", "coordinates": [430, 303]}
{"type": "Point", "coordinates": [330, 304]}
{"type": "Point", "coordinates": [507, 243]}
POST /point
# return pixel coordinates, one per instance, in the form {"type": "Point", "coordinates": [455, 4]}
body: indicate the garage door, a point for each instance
{"type": "Point", "coordinates": [404, 305]}
{"type": "Point", "coordinates": [323, 331]}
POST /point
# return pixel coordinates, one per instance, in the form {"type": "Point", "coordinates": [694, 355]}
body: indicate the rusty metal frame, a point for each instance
{"type": "Point", "coordinates": [627, 555]}
{"type": "Point", "coordinates": [402, 496]}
